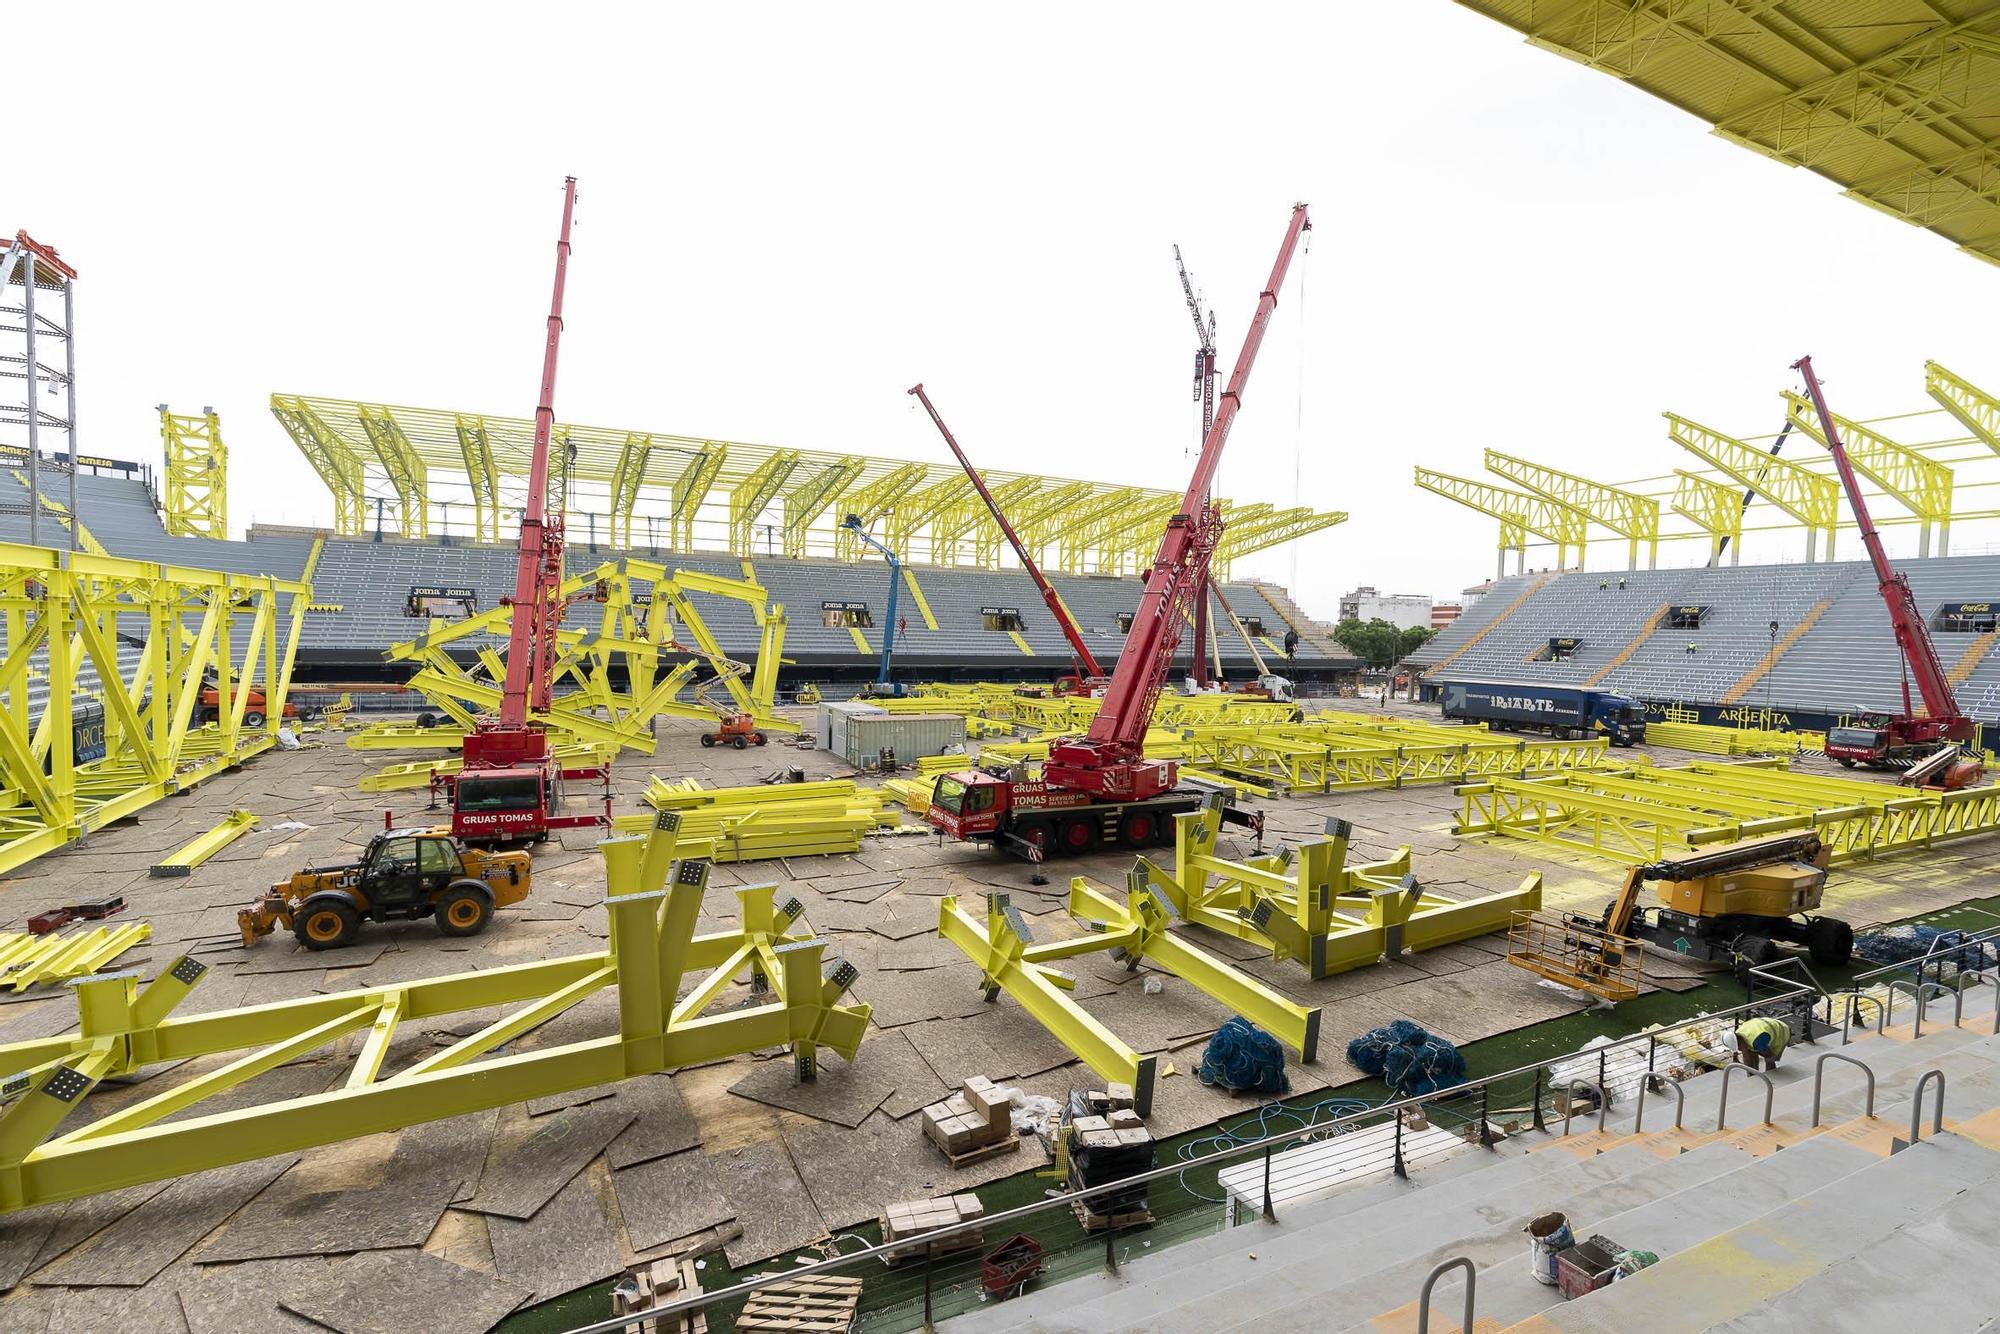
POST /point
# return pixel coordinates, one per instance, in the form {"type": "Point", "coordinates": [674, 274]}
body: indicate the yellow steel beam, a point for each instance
{"type": "Point", "coordinates": [407, 474]}
{"type": "Point", "coordinates": [1809, 497]}
{"type": "Point", "coordinates": [1918, 484]}
{"type": "Point", "coordinates": [206, 844]}
{"type": "Point", "coordinates": [690, 490]}
{"type": "Point", "coordinates": [870, 503]}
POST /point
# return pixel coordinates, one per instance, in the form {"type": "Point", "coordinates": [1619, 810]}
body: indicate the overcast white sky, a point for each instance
{"type": "Point", "coordinates": [791, 213]}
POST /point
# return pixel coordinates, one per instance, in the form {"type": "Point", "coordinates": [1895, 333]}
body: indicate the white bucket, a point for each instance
{"type": "Point", "coordinates": [1547, 1235]}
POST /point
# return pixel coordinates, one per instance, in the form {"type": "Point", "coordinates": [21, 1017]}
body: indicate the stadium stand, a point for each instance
{"type": "Point", "coordinates": [1836, 651]}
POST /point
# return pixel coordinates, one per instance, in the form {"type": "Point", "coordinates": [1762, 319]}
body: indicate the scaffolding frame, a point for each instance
{"type": "Point", "coordinates": [35, 268]}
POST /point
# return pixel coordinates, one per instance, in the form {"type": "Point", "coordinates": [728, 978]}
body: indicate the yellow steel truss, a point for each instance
{"type": "Point", "coordinates": [653, 904]}
{"type": "Point", "coordinates": [1633, 517]}
{"type": "Point", "coordinates": [197, 474]}
{"type": "Point", "coordinates": [1712, 507]}
{"type": "Point", "coordinates": [1809, 497]}
{"type": "Point", "coordinates": [1519, 514]}
{"type": "Point", "coordinates": [65, 612]}
{"type": "Point", "coordinates": [1305, 903]}
{"type": "Point", "coordinates": [633, 641]}
{"type": "Point", "coordinates": [1977, 410]}
{"type": "Point", "coordinates": [1646, 814]}
{"type": "Point", "coordinates": [1920, 485]}
{"type": "Point", "coordinates": [1350, 751]}
{"type": "Point", "coordinates": [1135, 931]}
{"type": "Point", "coordinates": [713, 494]}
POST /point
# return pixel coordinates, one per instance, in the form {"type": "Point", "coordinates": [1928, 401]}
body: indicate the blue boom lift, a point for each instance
{"type": "Point", "coordinates": [882, 687]}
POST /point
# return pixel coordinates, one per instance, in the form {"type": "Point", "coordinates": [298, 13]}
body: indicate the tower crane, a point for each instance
{"type": "Point", "coordinates": [1204, 394]}
{"type": "Point", "coordinates": [1102, 786]}
{"type": "Point", "coordinates": [1932, 743]}
{"type": "Point", "coordinates": [510, 785]}
{"type": "Point", "coordinates": [1089, 677]}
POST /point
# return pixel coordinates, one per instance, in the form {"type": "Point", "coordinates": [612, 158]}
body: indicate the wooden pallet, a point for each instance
{"type": "Point", "coordinates": [1009, 1145]}
{"type": "Point", "coordinates": [1095, 1222]}
{"type": "Point", "coordinates": [821, 1304]}
{"type": "Point", "coordinates": [914, 1249]}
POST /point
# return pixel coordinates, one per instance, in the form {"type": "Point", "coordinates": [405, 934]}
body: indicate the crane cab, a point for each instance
{"type": "Point", "coordinates": [500, 805]}
{"type": "Point", "coordinates": [968, 804]}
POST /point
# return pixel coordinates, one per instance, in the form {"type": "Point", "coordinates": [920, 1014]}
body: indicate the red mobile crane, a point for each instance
{"type": "Point", "coordinates": [1089, 677]}
{"type": "Point", "coordinates": [510, 785]}
{"type": "Point", "coordinates": [1204, 394]}
{"type": "Point", "coordinates": [1928, 742]}
{"type": "Point", "coordinates": [1101, 786]}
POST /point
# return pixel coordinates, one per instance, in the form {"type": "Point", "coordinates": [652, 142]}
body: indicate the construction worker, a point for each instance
{"type": "Point", "coordinates": [1763, 1037]}
{"type": "Point", "coordinates": [1291, 643]}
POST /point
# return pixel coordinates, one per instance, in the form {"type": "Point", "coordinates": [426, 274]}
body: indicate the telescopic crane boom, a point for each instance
{"type": "Point", "coordinates": [1109, 761]}
{"type": "Point", "coordinates": [884, 686]}
{"type": "Point", "coordinates": [1086, 662]}
{"type": "Point", "coordinates": [1905, 735]}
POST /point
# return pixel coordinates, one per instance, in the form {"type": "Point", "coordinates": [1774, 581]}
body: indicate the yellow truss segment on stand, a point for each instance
{"type": "Point", "coordinates": [1976, 410]}
{"type": "Point", "coordinates": [196, 476]}
{"type": "Point", "coordinates": [1519, 513]}
{"type": "Point", "coordinates": [1633, 517]}
{"type": "Point", "coordinates": [1305, 903]}
{"type": "Point", "coordinates": [805, 504]}
{"type": "Point", "coordinates": [482, 474]}
{"type": "Point", "coordinates": [1712, 507]}
{"type": "Point", "coordinates": [1809, 497]}
{"type": "Point", "coordinates": [1918, 484]}
{"type": "Point", "coordinates": [331, 455]}
{"type": "Point", "coordinates": [1647, 814]}
{"type": "Point", "coordinates": [64, 611]}
{"type": "Point", "coordinates": [654, 901]}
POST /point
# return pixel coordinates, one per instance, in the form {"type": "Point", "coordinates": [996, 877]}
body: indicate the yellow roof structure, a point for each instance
{"type": "Point", "coordinates": [722, 494]}
{"type": "Point", "coordinates": [1897, 101]}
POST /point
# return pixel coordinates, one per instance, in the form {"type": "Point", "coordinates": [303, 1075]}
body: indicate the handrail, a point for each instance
{"type": "Point", "coordinates": [1249, 1149]}
{"type": "Point", "coordinates": [1680, 1101]}
{"type": "Point", "coordinates": [1855, 998]}
{"type": "Point", "coordinates": [1722, 1106]}
{"type": "Point", "coordinates": [1917, 1027]}
{"type": "Point", "coordinates": [1917, 1106]}
{"type": "Point", "coordinates": [1569, 1104]}
{"type": "Point", "coordinates": [1946, 942]}
{"type": "Point", "coordinates": [1430, 1281]}
{"type": "Point", "coordinates": [1819, 1075]}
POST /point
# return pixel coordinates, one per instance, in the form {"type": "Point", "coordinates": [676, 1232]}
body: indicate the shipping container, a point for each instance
{"type": "Point", "coordinates": [830, 725]}
{"type": "Point", "coordinates": [908, 734]}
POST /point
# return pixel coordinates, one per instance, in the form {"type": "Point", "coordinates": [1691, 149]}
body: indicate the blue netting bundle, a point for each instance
{"type": "Point", "coordinates": [1901, 944]}
{"type": "Point", "coordinates": [1243, 1058]}
{"type": "Point", "coordinates": [1409, 1060]}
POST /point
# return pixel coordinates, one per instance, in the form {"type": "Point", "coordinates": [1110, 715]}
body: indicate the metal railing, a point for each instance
{"type": "Point", "coordinates": [1819, 1079]}
{"type": "Point", "coordinates": [1430, 1281]}
{"type": "Point", "coordinates": [1917, 1106]}
{"type": "Point", "coordinates": [1621, 1067]}
{"type": "Point", "coordinates": [1722, 1104]}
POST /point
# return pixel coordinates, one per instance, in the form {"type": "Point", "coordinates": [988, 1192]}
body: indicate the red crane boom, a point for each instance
{"type": "Point", "coordinates": [1945, 722]}
{"type": "Point", "coordinates": [1086, 662]}
{"type": "Point", "coordinates": [1109, 761]}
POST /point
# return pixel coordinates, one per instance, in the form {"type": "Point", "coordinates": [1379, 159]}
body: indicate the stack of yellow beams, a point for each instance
{"type": "Point", "coordinates": [1712, 740]}
{"type": "Point", "coordinates": [26, 959]}
{"type": "Point", "coordinates": [760, 822]}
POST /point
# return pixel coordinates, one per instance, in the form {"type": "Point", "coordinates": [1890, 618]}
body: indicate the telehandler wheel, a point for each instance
{"type": "Point", "coordinates": [253, 719]}
{"type": "Point", "coordinates": [740, 743]}
{"type": "Point", "coordinates": [707, 740]}
{"type": "Point", "coordinates": [326, 923]}
{"type": "Point", "coordinates": [464, 909]}
{"type": "Point", "coordinates": [759, 738]}
{"type": "Point", "coordinates": [1829, 941]}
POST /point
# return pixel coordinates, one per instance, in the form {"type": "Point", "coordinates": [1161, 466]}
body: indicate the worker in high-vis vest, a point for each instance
{"type": "Point", "coordinates": [1764, 1038]}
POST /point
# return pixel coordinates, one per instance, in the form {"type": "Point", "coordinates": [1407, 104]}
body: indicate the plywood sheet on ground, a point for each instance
{"type": "Point", "coordinates": [385, 1292]}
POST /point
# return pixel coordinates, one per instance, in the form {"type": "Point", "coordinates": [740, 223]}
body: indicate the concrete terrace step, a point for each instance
{"type": "Point", "coordinates": [1736, 1272]}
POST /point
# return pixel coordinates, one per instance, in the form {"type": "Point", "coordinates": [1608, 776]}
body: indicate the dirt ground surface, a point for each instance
{"type": "Point", "coordinates": [468, 1219]}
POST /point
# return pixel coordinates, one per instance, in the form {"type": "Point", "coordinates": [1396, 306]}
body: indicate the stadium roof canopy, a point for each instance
{"type": "Point", "coordinates": [1895, 100]}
